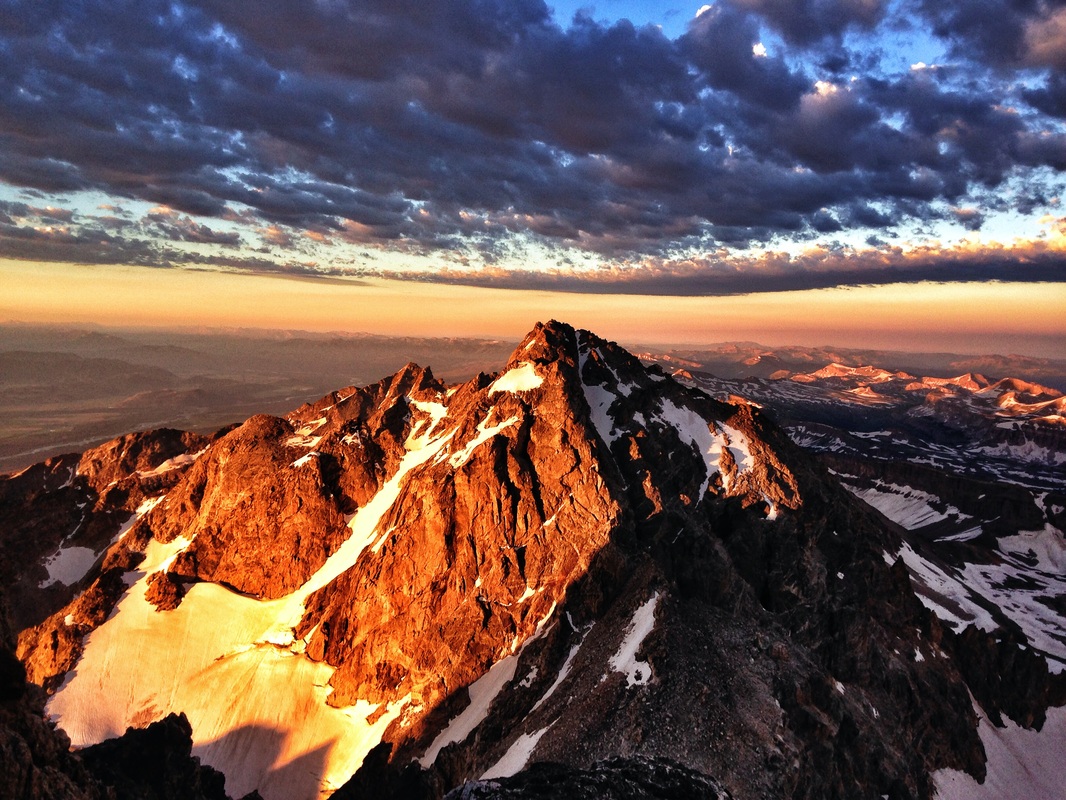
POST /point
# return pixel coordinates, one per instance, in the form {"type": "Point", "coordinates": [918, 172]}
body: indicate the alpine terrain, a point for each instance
{"type": "Point", "coordinates": [580, 576]}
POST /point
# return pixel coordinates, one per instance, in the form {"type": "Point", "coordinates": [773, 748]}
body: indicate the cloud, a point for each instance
{"type": "Point", "coordinates": [484, 130]}
{"type": "Point", "coordinates": [806, 22]}
{"type": "Point", "coordinates": [1001, 33]}
{"type": "Point", "coordinates": [721, 42]}
{"type": "Point", "coordinates": [185, 229]}
{"type": "Point", "coordinates": [724, 273]}
{"type": "Point", "coordinates": [1045, 39]}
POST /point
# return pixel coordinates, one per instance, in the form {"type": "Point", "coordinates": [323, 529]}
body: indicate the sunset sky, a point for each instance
{"type": "Point", "coordinates": [823, 171]}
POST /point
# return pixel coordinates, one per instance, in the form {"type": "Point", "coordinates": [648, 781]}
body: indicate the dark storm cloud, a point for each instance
{"type": "Point", "coordinates": [1003, 33]}
{"type": "Point", "coordinates": [720, 42]}
{"type": "Point", "coordinates": [1050, 98]}
{"type": "Point", "coordinates": [463, 124]}
{"type": "Point", "coordinates": [807, 22]}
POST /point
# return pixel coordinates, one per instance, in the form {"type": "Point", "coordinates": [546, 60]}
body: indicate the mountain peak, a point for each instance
{"type": "Point", "coordinates": [518, 567]}
{"type": "Point", "coordinates": [547, 341]}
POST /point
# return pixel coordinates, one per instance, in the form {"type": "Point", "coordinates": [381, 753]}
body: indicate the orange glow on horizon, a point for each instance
{"type": "Point", "coordinates": [905, 316]}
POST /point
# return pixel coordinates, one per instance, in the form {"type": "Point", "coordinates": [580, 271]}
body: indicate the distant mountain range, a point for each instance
{"type": "Point", "coordinates": [752, 360]}
{"type": "Point", "coordinates": [586, 574]}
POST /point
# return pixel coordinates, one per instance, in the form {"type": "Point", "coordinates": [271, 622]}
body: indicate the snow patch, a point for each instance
{"type": "Point", "coordinates": [564, 670]}
{"type": "Point", "coordinates": [303, 441]}
{"type": "Point", "coordinates": [625, 660]}
{"type": "Point", "coordinates": [944, 594]}
{"type": "Point", "coordinates": [693, 428]}
{"type": "Point", "coordinates": [904, 505]}
{"type": "Point", "coordinates": [740, 447]}
{"type": "Point", "coordinates": [1028, 451]}
{"type": "Point", "coordinates": [146, 505]}
{"type": "Point", "coordinates": [482, 692]}
{"type": "Point", "coordinates": [485, 432]}
{"type": "Point", "coordinates": [962, 596]}
{"type": "Point", "coordinates": [68, 565]}
{"type": "Point", "coordinates": [421, 435]}
{"type": "Point", "coordinates": [964, 536]}
{"type": "Point", "coordinates": [522, 378]}
{"type": "Point", "coordinates": [310, 427]}
{"type": "Point", "coordinates": [600, 400]}
{"type": "Point", "coordinates": [1047, 546]}
{"type": "Point", "coordinates": [527, 681]}
{"type": "Point", "coordinates": [172, 463]}
{"type": "Point", "coordinates": [516, 757]}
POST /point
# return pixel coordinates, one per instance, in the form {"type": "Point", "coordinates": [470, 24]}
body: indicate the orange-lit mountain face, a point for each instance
{"type": "Point", "coordinates": [409, 586]}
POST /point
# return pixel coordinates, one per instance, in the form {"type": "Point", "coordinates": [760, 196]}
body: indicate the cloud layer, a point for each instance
{"type": "Point", "coordinates": [318, 134]}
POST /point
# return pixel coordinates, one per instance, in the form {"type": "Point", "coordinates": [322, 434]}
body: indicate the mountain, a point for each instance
{"type": "Point", "coordinates": [577, 572]}
{"type": "Point", "coordinates": [1004, 430]}
{"type": "Point", "coordinates": [748, 359]}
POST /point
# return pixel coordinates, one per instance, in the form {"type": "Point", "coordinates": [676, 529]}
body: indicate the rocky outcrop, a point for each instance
{"type": "Point", "coordinates": [267, 504]}
{"type": "Point", "coordinates": [58, 517]}
{"type": "Point", "coordinates": [35, 758]}
{"type": "Point", "coordinates": [248, 506]}
{"type": "Point", "coordinates": [154, 763]}
{"type": "Point", "coordinates": [479, 549]}
{"type": "Point", "coordinates": [632, 778]}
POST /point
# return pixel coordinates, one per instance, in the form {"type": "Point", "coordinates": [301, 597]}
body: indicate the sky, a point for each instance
{"type": "Point", "coordinates": [792, 167]}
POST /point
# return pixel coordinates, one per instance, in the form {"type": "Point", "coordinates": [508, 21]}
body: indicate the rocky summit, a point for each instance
{"type": "Point", "coordinates": [574, 577]}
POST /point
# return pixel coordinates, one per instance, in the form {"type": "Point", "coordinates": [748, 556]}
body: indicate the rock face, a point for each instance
{"type": "Point", "coordinates": [60, 516]}
{"type": "Point", "coordinates": [577, 561]}
{"type": "Point", "coordinates": [35, 759]}
{"type": "Point", "coordinates": [63, 523]}
{"type": "Point", "coordinates": [247, 507]}
{"type": "Point", "coordinates": [635, 779]}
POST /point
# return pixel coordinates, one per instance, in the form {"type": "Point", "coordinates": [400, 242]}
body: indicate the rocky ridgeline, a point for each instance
{"type": "Point", "coordinates": [79, 501]}
{"type": "Point", "coordinates": [641, 572]}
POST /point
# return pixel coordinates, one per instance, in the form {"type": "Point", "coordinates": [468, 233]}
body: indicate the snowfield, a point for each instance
{"type": "Point", "coordinates": [1021, 763]}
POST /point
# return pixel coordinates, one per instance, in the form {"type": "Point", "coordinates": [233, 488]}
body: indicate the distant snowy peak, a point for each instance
{"type": "Point", "coordinates": [1008, 397]}
{"type": "Point", "coordinates": [867, 374]}
{"type": "Point", "coordinates": [1032, 392]}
